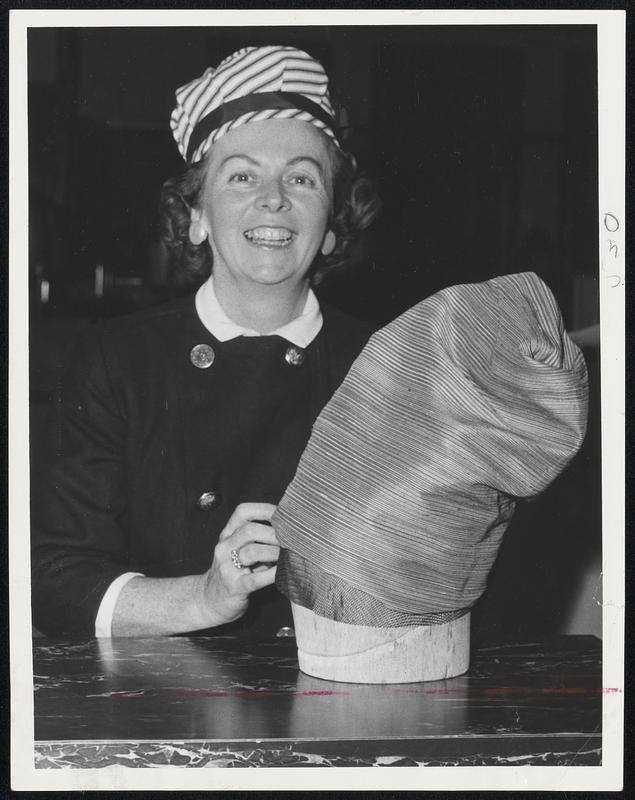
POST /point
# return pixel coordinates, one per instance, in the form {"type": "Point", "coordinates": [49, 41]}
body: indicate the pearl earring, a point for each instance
{"type": "Point", "coordinates": [197, 233]}
{"type": "Point", "coordinates": [328, 245]}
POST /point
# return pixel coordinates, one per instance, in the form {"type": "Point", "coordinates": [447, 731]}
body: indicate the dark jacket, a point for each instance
{"type": "Point", "coordinates": [141, 434]}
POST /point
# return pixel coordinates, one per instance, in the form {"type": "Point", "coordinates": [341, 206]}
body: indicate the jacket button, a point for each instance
{"type": "Point", "coordinates": [208, 501]}
{"type": "Point", "coordinates": [202, 356]}
{"type": "Point", "coordinates": [294, 356]}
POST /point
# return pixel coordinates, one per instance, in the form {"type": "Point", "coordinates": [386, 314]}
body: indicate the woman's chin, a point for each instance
{"type": "Point", "coordinates": [278, 275]}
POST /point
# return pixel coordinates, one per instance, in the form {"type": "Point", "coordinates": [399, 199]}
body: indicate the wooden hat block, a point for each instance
{"type": "Point", "coordinates": [338, 651]}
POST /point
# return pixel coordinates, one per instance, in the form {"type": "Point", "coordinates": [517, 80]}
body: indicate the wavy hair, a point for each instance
{"type": "Point", "coordinates": [355, 206]}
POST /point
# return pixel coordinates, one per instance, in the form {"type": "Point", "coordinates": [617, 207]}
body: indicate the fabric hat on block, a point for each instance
{"type": "Point", "coordinates": [471, 399]}
{"type": "Point", "coordinates": [251, 85]}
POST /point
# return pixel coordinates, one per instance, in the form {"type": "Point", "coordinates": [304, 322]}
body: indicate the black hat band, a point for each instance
{"type": "Point", "coordinates": [259, 101]}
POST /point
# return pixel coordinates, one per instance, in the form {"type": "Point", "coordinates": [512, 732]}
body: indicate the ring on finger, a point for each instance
{"type": "Point", "coordinates": [236, 559]}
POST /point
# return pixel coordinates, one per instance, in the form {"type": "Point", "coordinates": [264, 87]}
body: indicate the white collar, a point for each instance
{"type": "Point", "coordinates": [301, 331]}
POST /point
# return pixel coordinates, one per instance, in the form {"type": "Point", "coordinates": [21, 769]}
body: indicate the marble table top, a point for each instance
{"type": "Point", "coordinates": [222, 701]}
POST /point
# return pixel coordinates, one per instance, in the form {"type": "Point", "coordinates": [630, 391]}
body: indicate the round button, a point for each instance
{"type": "Point", "coordinates": [208, 500]}
{"type": "Point", "coordinates": [202, 356]}
{"type": "Point", "coordinates": [294, 356]}
{"type": "Point", "coordinates": [285, 632]}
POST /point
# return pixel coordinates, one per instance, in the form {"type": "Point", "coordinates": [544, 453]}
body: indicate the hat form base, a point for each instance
{"type": "Point", "coordinates": [337, 651]}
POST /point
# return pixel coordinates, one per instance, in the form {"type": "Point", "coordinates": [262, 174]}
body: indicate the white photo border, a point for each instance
{"type": "Point", "coordinates": [611, 89]}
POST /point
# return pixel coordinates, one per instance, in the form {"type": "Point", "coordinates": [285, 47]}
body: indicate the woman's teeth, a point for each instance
{"type": "Point", "coordinates": [276, 237]}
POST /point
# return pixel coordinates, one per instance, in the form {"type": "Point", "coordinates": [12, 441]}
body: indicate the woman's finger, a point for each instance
{"type": "Point", "coordinates": [252, 532]}
{"type": "Point", "coordinates": [255, 553]}
{"type": "Point", "coordinates": [259, 579]}
{"type": "Point", "coordinates": [245, 513]}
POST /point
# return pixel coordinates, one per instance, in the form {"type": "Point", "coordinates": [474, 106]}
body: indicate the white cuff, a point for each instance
{"type": "Point", "coordinates": [103, 621]}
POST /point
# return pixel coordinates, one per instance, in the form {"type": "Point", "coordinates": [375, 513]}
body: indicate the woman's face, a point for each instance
{"type": "Point", "coordinates": [265, 202]}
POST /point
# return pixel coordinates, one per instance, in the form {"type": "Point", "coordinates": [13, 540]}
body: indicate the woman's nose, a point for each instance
{"type": "Point", "coordinates": [273, 196]}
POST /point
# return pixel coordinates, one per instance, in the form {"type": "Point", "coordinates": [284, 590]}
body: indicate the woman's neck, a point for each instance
{"type": "Point", "coordinates": [262, 307]}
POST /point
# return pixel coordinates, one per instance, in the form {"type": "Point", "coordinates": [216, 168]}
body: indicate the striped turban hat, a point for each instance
{"type": "Point", "coordinates": [252, 84]}
{"type": "Point", "coordinates": [471, 399]}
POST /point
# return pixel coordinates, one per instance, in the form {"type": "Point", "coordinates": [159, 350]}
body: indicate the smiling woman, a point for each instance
{"type": "Point", "coordinates": [180, 427]}
{"type": "Point", "coordinates": [264, 209]}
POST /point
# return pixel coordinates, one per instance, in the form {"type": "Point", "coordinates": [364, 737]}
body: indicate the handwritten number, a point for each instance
{"type": "Point", "coordinates": [612, 225]}
{"type": "Point", "coordinates": [611, 222]}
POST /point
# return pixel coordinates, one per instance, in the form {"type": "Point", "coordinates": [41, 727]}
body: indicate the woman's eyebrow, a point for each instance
{"type": "Point", "coordinates": [290, 163]}
{"type": "Point", "coordinates": [314, 161]}
{"type": "Point", "coordinates": [242, 156]}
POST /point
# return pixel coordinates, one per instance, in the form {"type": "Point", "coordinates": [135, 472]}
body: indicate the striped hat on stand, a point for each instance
{"type": "Point", "coordinates": [251, 85]}
{"type": "Point", "coordinates": [469, 400]}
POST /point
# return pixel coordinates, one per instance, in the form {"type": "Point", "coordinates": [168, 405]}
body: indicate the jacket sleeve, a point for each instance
{"type": "Point", "coordinates": [79, 499]}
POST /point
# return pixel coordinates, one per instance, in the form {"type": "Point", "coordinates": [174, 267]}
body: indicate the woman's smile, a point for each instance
{"type": "Point", "coordinates": [266, 236]}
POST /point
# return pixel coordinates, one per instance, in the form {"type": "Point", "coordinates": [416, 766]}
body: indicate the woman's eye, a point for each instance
{"type": "Point", "coordinates": [301, 180]}
{"type": "Point", "coordinates": [240, 177]}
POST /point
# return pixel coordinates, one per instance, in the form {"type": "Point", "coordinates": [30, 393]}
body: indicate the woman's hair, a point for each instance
{"type": "Point", "coordinates": [355, 206]}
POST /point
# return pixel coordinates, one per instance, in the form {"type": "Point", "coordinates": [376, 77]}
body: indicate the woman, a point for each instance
{"type": "Point", "coordinates": [181, 426]}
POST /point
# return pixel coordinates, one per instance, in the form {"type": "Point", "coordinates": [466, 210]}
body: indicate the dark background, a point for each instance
{"type": "Point", "coordinates": [482, 141]}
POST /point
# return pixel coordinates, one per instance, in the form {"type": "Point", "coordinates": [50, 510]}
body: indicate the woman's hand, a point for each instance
{"type": "Point", "coordinates": [225, 588]}
{"type": "Point", "coordinates": [164, 606]}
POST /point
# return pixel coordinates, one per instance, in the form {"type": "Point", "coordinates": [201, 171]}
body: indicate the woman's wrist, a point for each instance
{"type": "Point", "coordinates": [163, 606]}
{"type": "Point", "coordinates": [203, 612]}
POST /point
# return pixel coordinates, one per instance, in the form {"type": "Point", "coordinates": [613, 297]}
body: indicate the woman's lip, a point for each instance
{"type": "Point", "coordinates": [269, 235]}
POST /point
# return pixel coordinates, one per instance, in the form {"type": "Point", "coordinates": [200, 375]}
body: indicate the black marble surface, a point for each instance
{"type": "Point", "coordinates": [221, 701]}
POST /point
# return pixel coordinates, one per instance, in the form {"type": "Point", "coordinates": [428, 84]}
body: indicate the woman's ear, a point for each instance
{"type": "Point", "coordinates": [328, 245]}
{"type": "Point", "coordinates": [197, 232]}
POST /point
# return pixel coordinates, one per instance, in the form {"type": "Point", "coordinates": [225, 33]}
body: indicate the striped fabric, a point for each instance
{"type": "Point", "coordinates": [473, 398]}
{"type": "Point", "coordinates": [248, 72]}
